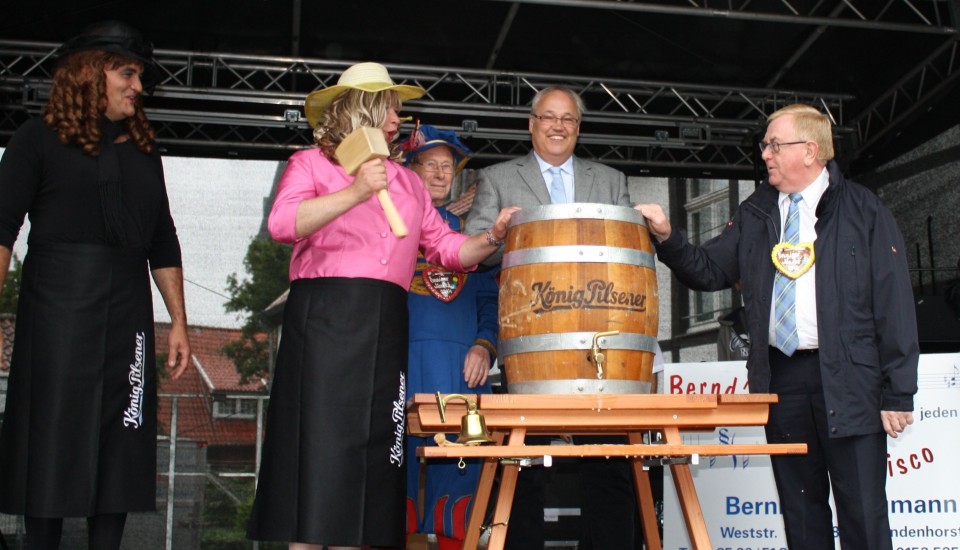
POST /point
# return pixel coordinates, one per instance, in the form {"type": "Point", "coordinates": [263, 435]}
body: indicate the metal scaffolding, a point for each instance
{"type": "Point", "coordinates": [241, 105]}
{"type": "Point", "coordinates": [251, 106]}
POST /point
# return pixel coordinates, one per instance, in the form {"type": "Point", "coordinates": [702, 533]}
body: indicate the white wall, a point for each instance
{"type": "Point", "coordinates": [219, 206]}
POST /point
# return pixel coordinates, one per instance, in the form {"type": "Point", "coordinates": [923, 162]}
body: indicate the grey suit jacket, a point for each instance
{"type": "Point", "coordinates": [519, 182]}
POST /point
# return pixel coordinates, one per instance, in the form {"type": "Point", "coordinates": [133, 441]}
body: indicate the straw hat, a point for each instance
{"type": "Point", "coordinates": [369, 77]}
{"type": "Point", "coordinates": [427, 137]}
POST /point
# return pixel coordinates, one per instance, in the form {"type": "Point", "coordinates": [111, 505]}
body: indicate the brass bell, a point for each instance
{"type": "Point", "coordinates": [473, 428]}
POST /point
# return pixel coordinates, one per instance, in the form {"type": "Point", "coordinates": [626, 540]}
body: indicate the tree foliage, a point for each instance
{"type": "Point", "coordinates": [11, 286]}
{"type": "Point", "coordinates": [267, 266]}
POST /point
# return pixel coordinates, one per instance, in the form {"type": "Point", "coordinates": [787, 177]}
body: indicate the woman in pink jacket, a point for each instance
{"type": "Point", "coordinates": [332, 471]}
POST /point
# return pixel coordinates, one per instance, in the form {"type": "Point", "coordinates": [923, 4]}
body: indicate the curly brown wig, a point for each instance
{"type": "Point", "coordinates": [78, 101]}
{"type": "Point", "coordinates": [351, 110]}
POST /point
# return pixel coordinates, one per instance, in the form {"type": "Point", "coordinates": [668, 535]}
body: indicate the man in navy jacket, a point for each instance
{"type": "Point", "coordinates": [850, 377]}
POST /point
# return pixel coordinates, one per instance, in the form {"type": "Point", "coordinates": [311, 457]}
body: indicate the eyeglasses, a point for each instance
{"type": "Point", "coordinates": [550, 120]}
{"type": "Point", "coordinates": [432, 166]}
{"type": "Point", "coordinates": [776, 145]}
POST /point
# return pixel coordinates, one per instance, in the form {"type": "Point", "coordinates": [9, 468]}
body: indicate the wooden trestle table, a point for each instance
{"type": "Point", "coordinates": [511, 417]}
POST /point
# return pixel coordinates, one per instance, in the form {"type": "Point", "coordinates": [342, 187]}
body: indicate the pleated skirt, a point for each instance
{"type": "Point", "coordinates": [79, 431]}
{"type": "Point", "coordinates": [333, 464]}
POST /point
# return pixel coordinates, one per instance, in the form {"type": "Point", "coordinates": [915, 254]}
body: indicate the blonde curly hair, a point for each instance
{"type": "Point", "coordinates": [351, 110]}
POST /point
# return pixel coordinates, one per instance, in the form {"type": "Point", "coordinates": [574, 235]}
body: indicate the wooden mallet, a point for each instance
{"type": "Point", "coordinates": [361, 145]}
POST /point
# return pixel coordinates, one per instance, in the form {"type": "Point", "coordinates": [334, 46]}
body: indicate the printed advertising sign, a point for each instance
{"type": "Point", "coordinates": [738, 495]}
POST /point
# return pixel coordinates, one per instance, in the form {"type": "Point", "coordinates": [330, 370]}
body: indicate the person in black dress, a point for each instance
{"type": "Point", "coordinates": [79, 431]}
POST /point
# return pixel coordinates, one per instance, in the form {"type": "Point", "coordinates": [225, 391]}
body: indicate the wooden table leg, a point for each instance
{"type": "Point", "coordinates": [645, 504]}
{"type": "Point", "coordinates": [687, 495]}
{"type": "Point", "coordinates": [508, 484]}
{"type": "Point", "coordinates": [690, 504]}
{"type": "Point", "coordinates": [482, 497]}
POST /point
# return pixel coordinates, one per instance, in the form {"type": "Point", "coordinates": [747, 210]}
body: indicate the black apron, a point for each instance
{"type": "Point", "coordinates": [79, 432]}
{"type": "Point", "coordinates": [332, 469]}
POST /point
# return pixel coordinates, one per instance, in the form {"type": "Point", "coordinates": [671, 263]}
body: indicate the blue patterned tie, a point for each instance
{"type": "Point", "coordinates": [558, 194]}
{"type": "Point", "coordinates": [785, 288]}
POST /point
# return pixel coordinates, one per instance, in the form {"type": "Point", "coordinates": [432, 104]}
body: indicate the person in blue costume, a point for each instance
{"type": "Point", "coordinates": [453, 339]}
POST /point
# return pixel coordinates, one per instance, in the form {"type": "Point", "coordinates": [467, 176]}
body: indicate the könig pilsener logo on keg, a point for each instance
{"type": "Point", "coordinates": [595, 294]}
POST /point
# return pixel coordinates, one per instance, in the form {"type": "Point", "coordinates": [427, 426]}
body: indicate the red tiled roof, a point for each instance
{"type": "Point", "coordinates": [209, 373]}
{"type": "Point", "coordinates": [195, 418]}
{"type": "Point", "coordinates": [206, 345]}
{"type": "Point", "coordinates": [194, 414]}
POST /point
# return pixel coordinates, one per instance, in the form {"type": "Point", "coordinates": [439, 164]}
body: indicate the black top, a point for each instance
{"type": "Point", "coordinates": [58, 186]}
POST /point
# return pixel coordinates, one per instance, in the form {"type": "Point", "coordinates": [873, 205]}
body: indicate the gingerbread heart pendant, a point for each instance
{"type": "Point", "coordinates": [444, 285]}
{"type": "Point", "coordinates": [793, 260]}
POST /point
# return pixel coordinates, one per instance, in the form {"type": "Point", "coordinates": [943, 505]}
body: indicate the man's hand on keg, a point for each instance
{"type": "Point", "coordinates": [657, 221]}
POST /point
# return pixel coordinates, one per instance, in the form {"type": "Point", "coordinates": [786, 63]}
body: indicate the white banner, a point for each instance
{"type": "Point", "coordinates": [738, 495]}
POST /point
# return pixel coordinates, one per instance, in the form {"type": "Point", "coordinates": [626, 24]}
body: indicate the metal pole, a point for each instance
{"type": "Point", "coordinates": [171, 464]}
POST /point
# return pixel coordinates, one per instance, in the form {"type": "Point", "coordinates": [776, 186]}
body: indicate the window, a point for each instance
{"type": "Point", "coordinates": [234, 407]}
{"type": "Point", "coordinates": [707, 208]}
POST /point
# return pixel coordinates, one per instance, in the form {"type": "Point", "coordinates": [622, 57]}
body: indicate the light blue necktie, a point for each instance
{"type": "Point", "coordinates": [558, 194]}
{"type": "Point", "coordinates": [785, 288]}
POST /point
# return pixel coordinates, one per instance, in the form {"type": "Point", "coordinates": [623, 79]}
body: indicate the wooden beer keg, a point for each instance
{"type": "Point", "coordinates": [569, 272]}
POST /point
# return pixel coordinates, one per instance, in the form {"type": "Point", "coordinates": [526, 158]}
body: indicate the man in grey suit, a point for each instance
{"type": "Point", "coordinates": [608, 510]}
{"type": "Point", "coordinates": [525, 181]}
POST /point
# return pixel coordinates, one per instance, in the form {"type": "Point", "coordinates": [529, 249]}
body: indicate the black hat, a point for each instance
{"type": "Point", "coordinates": [114, 37]}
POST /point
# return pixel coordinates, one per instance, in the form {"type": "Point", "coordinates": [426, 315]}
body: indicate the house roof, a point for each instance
{"type": "Point", "coordinates": [674, 79]}
{"type": "Point", "coordinates": [210, 375]}
{"type": "Point", "coordinates": [217, 369]}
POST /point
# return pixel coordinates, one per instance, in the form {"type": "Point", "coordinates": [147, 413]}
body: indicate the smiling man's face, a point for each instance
{"type": "Point", "coordinates": [554, 142]}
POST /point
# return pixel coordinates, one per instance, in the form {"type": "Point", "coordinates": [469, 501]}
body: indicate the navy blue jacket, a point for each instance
{"type": "Point", "coordinates": [866, 321]}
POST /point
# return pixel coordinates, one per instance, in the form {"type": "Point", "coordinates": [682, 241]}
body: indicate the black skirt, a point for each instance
{"type": "Point", "coordinates": [79, 432]}
{"type": "Point", "coordinates": [332, 469]}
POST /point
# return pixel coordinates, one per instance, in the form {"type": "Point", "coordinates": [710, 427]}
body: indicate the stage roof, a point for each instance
{"type": "Point", "coordinates": [675, 87]}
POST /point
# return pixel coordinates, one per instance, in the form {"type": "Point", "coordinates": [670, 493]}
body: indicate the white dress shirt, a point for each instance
{"type": "Point", "coordinates": [566, 172]}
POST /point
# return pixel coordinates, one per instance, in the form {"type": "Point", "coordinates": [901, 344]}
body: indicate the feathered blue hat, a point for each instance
{"type": "Point", "coordinates": [427, 137]}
